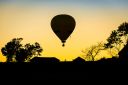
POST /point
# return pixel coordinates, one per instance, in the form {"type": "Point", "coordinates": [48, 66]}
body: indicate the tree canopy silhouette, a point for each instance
{"type": "Point", "coordinates": [118, 38]}
{"type": "Point", "coordinates": [14, 50]}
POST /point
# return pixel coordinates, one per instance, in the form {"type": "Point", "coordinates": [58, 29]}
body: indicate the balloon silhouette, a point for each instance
{"type": "Point", "coordinates": [63, 25]}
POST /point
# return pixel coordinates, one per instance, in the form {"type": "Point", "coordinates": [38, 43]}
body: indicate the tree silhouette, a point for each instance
{"type": "Point", "coordinates": [28, 52]}
{"type": "Point", "coordinates": [117, 39]}
{"type": "Point", "coordinates": [14, 50]}
{"type": "Point", "coordinates": [11, 48]}
{"type": "Point", "coordinates": [91, 52]}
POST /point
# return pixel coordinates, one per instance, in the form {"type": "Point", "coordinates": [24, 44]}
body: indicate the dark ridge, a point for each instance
{"type": "Point", "coordinates": [45, 60]}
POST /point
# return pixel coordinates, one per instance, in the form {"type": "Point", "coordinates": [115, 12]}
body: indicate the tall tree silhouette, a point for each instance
{"type": "Point", "coordinates": [117, 39]}
{"type": "Point", "coordinates": [15, 50]}
{"type": "Point", "coordinates": [11, 48]}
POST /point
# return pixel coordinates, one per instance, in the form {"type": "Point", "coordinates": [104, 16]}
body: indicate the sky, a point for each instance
{"type": "Point", "coordinates": [30, 19]}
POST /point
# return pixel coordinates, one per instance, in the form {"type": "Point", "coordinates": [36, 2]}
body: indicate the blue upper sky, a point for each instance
{"type": "Point", "coordinates": [71, 2]}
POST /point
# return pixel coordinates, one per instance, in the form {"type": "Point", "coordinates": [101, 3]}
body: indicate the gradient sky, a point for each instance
{"type": "Point", "coordinates": [30, 19]}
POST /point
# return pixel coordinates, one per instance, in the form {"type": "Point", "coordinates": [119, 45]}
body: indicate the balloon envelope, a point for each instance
{"type": "Point", "coordinates": [63, 25]}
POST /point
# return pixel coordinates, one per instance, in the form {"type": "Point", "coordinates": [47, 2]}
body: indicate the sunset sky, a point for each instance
{"type": "Point", "coordinates": [30, 19]}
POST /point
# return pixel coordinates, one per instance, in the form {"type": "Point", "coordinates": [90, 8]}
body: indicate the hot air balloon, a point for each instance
{"type": "Point", "coordinates": [63, 25]}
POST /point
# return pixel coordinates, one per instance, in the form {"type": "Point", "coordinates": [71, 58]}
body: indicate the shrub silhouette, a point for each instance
{"type": "Point", "coordinates": [93, 51]}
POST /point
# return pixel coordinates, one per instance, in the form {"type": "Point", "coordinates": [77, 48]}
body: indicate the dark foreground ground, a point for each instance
{"type": "Point", "coordinates": [64, 71]}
